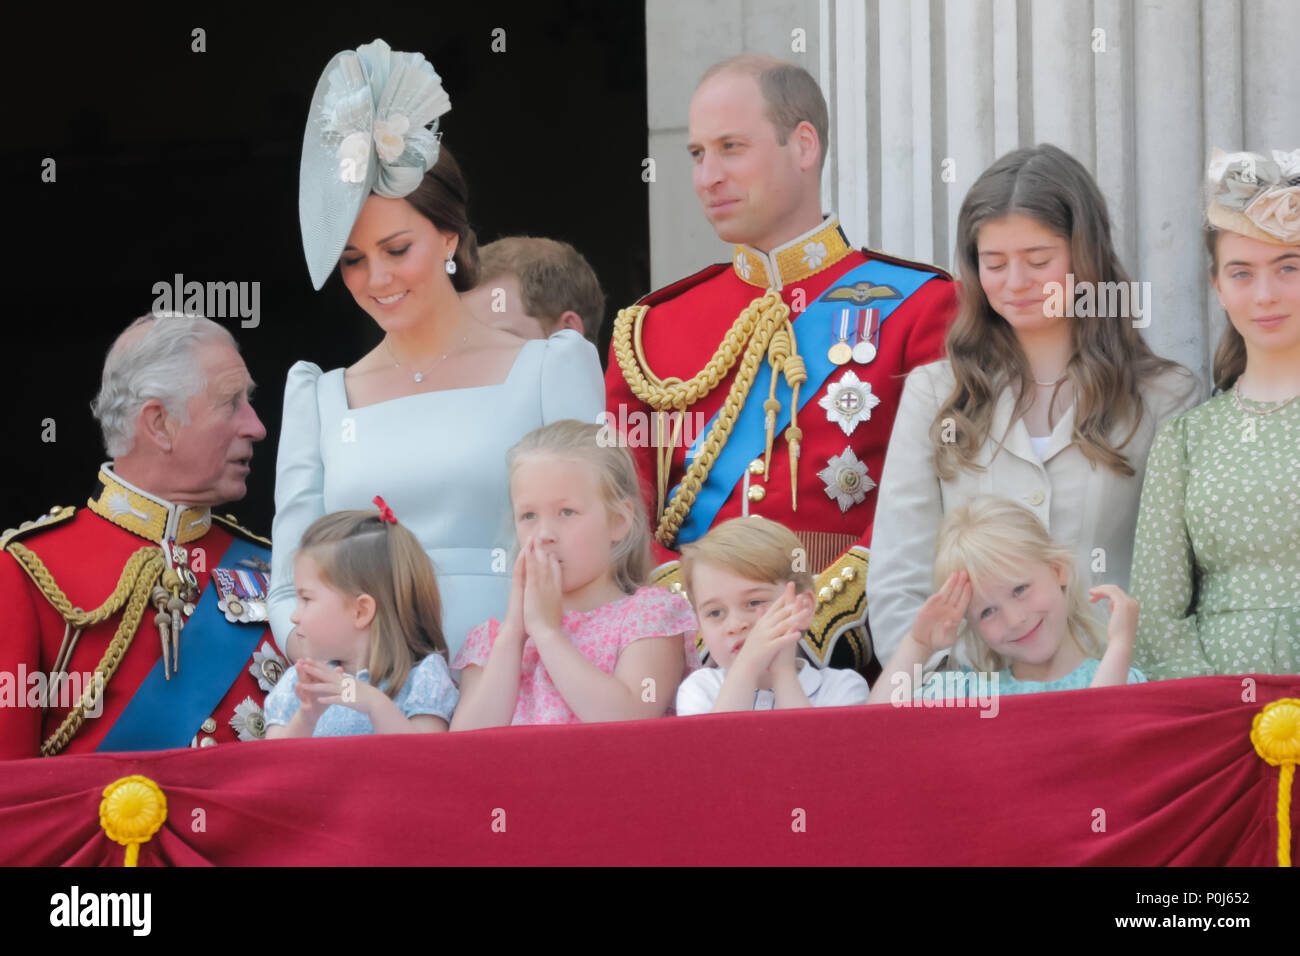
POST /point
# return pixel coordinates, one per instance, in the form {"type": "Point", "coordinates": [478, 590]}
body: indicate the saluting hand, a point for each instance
{"type": "Point", "coordinates": [935, 627]}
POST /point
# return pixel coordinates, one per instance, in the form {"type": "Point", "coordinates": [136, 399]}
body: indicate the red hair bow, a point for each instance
{"type": "Point", "coordinates": [385, 513]}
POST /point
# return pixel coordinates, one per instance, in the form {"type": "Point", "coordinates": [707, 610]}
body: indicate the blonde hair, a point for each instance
{"type": "Point", "coordinates": [752, 548]}
{"type": "Point", "coordinates": [619, 487]}
{"type": "Point", "coordinates": [991, 539]}
{"type": "Point", "coordinates": [355, 553]}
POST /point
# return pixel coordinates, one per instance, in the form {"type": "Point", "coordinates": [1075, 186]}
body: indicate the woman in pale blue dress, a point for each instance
{"type": "Point", "coordinates": [426, 417]}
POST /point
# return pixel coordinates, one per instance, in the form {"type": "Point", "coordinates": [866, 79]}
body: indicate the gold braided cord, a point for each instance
{"type": "Point", "coordinates": [759, 321]}
{"type": "Point", "coordinates": [796, 373]}
{"type": "Point", "coordinates": [673, 394]}
{"type": "Point", "coordinates": [141, 573]}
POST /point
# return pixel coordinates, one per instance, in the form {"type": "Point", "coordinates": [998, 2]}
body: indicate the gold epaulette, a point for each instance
{"type": "Point", "coordinates": [841, 609]}
{"type": "Point", "coordinates": [231, 524]}
{"type": "Point", "coordinates": [131, 596]}
{"type": "Point", "coordinates": [56, 515]}
{"type": "Point", "coordinates": [669, 576]}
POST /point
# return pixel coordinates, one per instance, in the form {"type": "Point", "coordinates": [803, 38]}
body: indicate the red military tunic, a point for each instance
{"type": "Point", "coordinates": [85, 555]}
{"type": "Point", "coordinates": [688, 320]}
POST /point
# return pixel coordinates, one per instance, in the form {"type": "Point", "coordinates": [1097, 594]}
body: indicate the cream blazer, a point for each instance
{"type": "Point", "coordinates": [1091, 509]}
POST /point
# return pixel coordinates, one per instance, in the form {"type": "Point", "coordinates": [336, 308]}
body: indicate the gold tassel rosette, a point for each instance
{"type": "Point", "coordinates": [132, 811]}
{"type": "Point", "coordinates": [1275, 733]}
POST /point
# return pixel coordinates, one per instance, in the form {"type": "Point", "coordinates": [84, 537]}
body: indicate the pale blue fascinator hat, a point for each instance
{"type": "Point", "coordinates": [372, 127]}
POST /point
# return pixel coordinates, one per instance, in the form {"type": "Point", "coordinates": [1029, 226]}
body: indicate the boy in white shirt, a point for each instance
{"type": "Point", "coordinates": [753, 606]}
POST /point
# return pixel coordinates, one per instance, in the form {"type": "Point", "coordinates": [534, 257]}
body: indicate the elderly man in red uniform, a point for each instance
{"type": "Point", "coordinates": [138, 623]}
{"type": "Point", "coordinates": [768, 385]}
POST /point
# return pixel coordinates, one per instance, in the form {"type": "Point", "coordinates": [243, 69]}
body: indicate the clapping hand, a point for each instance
{"type": "Point", "coordinates": [325, 686]}
{"type": "Point", "coordinates": [935, 627]}
{"type": "Point", "coordinates": [542, 608]}
{"type": "Point", "coordinates": [770, 643]}
{"type": "Point", "coordinates": [514, 621]}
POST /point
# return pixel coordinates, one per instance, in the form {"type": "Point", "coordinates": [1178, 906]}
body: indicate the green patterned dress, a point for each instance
{"type": "Point", "coordinates": [1216, 563]}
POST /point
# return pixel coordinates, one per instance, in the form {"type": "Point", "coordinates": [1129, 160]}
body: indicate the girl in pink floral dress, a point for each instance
{"type": "Point", "coordinates": [582, 640]}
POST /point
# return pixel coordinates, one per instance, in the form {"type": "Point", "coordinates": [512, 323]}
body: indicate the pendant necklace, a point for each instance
{"type": "Point", "coordinates": [419, 376]}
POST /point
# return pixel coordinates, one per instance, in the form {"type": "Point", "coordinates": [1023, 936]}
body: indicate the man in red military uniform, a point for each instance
{"type": "Point", "coordinates": [138, 623]}
{"type": "Point", "coordinates": [769, 383]}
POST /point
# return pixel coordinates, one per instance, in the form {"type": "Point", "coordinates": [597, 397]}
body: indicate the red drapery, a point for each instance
{"type": "Point", "coordinates": [1160, 773]}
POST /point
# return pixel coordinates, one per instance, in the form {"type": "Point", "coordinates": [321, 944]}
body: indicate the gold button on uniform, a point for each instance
{"type": "Point", "coordinates": [757, 492]}
{"type": "Point", "coordinates": [209, 726]}
{"type": "Point", "coordinates": [756, 467]}
{"type": "Point", "coordinates": [1036, 497]}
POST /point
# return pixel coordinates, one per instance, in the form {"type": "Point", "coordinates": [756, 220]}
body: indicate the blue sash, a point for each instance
{"type": "Point", "coordinates": [167, 713]}
{"type": "Point", "coordinates": [813, 333]}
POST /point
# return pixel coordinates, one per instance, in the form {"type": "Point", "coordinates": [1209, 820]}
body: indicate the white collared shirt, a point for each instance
{"type": "Point", "coordinates": [829, 687]}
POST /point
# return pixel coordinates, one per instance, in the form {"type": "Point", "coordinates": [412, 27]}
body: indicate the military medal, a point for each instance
{"type": "Point", "coordinates": [864, 350]}
{"type": "Point", "coordinates": [846, 479]}
{"type": "Point", "coordinates": [267, 667]}
{"type": "Point", "coordinates": [844, 325]}
{"type": "Point", "coordinates": [848, 402]}
{"type": "Point", "coordinates": [242, 594]}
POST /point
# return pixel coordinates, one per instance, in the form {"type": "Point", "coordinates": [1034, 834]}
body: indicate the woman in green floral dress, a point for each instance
{"type": "Point", "coordinates": [1216, 565]}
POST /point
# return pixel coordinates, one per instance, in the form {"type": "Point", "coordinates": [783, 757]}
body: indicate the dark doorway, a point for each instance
{"type": "Point", "coordinates": [173, 161]}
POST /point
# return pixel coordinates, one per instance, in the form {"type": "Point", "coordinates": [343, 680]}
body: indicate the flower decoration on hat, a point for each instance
{"type": "Point", "coordinates": [1256, 195]}
{"type": "Point", "coordinates": [372, 127]}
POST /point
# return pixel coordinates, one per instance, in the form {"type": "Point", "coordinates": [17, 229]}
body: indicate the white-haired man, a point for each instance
{"type": "Point", "coordinates": [138, 623]}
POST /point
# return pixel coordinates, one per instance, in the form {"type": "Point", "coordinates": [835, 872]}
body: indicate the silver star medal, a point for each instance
{"type": "Point", "coordinates": [249, 722]}
{"type": "Point", "coordinates": [846, 479]}
{"type": "Point", "coordinates": [848, 402]}
{"type": "Point", "coordinates": [267, 666]}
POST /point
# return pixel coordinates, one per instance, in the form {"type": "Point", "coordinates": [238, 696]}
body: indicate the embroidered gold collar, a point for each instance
{"type": "Point", "coordinates": [794, 261]}
{"type": "Point", "coordinates": [149, 516]}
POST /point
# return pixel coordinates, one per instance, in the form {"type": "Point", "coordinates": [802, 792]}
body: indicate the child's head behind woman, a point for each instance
{"type": "Point", "coordinates": [582, 501]}
{"type": "Point", "coordinates": [377, 592]}
{"type": "Point", "coordinates": [1028, 603]}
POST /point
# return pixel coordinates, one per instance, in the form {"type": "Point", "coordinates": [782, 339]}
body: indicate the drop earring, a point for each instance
{"type": "Point", "coordinates": [451, 264]}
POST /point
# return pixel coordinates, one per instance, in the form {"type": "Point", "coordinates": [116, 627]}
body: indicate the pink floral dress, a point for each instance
{"type": "Point", "coordinates": [601, 635]}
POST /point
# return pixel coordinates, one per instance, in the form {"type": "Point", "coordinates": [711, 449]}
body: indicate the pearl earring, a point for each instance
{"type": "Point", "coordinates": [451, 264]}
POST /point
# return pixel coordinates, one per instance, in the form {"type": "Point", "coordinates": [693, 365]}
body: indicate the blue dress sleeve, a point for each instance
{"type": "Point", "coordinates": [572, 383]}
{"type": "Point", "coordinates": [431, 690]}
{"type": "Point", "coordinates": [282, 703]}
{"type": "Point", "coordinates": [299, 490]}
